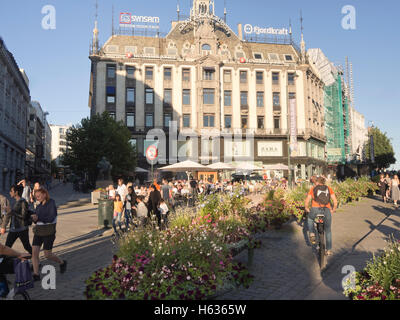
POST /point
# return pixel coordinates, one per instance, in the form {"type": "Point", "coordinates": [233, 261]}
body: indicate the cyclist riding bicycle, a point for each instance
{"type": "Point", "coordinates": [321, 196]}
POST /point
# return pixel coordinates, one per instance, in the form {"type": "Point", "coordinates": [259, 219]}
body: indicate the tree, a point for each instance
{"type": "Point", "coordinates": [384, 152]}
{"type": "Point", "coordinates": [100, 136]}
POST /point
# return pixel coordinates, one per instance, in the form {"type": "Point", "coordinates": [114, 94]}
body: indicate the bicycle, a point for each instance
{"type": "Point", "coordinates": [5, 285]}
{"type": "Point", "coordinates": [319, 225]}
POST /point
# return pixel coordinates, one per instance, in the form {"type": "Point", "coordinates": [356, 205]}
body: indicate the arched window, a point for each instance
{"type": "Point", "coordinates": [206, 47]}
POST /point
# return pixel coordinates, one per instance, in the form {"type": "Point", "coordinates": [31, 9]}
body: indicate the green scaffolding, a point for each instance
{"type": "Point", "coordinates": [336, 122]}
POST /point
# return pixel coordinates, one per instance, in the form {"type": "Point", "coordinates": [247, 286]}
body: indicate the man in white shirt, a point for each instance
{"type": "Point", "coordinates": [122, 190]}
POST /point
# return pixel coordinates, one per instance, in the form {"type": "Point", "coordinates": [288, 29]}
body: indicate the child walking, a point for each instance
{"type": "Point", "coordinates": [118, 206]}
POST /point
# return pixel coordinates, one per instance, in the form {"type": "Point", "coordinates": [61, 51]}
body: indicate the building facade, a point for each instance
{"type": "Point", "coordinates": [232, 99]}
{"type": "Point", "coordinates": [14, 106]}
{"type": "Point", "coordinates": [58, 142]}
{"type": "Point", "coordinates": [38, 163]}
{"type": "Point", "coordinates": [359, 136]}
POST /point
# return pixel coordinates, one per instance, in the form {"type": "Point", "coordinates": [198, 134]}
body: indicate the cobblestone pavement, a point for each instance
{"type": "Point", "coordinates": [80, 242]}
{"type": "Point", "coordinates": [285, 267]}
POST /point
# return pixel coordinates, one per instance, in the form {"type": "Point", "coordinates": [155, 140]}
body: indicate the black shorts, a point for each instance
{"type": "Point", "coordinates": [47, 241]}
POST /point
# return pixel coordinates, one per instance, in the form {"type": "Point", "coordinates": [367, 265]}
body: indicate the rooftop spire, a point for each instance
{"type": "Point", "coordinates": [302, 44]}
{"type": "Point", "coordinates": [95, 42]}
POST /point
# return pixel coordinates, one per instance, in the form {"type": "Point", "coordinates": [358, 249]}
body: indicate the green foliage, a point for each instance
{"type": "Point", "coordinates": [97, 137]}
{"type": "Point", "coordinates": [384, 152]}
{"type": "Point", "coordinates": [380, 280]}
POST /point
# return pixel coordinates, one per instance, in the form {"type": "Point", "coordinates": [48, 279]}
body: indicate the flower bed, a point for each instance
{"type": "Point", "coordinates": [191, 260]}
{"type": "Point", "coordinates": [380, 280]}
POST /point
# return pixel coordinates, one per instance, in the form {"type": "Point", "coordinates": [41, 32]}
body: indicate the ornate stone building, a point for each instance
{"type": "Point", "coordinates": [14, 108]}
{"type": "Point", "coordinates": [209, 79]}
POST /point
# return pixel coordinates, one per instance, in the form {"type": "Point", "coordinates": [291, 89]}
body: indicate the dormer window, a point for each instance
{"type": "Point", "coordinates": [206, 49]}
{"type": "Point", "coordinates": [258, 56]}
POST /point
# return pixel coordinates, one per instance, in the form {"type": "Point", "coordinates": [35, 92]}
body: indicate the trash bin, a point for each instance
{"type": "Point", "coordinates": [105, 213]}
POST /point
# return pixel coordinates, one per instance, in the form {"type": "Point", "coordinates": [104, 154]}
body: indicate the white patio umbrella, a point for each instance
{"type": "Point", "coordinates": [185, 166]}
{"type": "Point", "coordinates": [220, 166]}
{"type": "Point", "coordinates": [141, 170]}
{"type": "Point", "coordinates": [247, 166]}
{"type": "Point", "coordinates": [278, 166]}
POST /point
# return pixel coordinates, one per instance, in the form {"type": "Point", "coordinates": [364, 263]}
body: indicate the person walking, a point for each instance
{"type": "Point", "coordinates": [154, 202]}
{"type": "Point", "coordinates": [26, 194]}
{"type": "Point", "coordinates": [19, 218]}
{"type": "Point", "coordinates": [142, 211]}
{"type": "Point", "coordinates": [382, 187]}
{"type": "Point", "coordinates": [118, 207]}
{"type": "Point", "coordinates": [163, 208]}
{"type": "Point", "coordinates": [33, 199]}
{"type": "Point", "coordinates": [44, 231]}
{"type": "Point", "coordinates": [321, 196]}
{"type": "Point", "coordinates": [129, 204]}
{"type": "Point", "coordinates": [122, 190]}
{"type": "Point", "coordinates": [395, 190]}
{"type": "Point", "coordinates": [4, 207]}
{"type": "Point", "coordinates": [389, 184]}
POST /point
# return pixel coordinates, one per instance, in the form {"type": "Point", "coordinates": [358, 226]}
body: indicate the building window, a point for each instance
{"type": "Point", "coordinates": [292, 95]}
{"type": "Point", "coordinates": [206, 49]}
{"type": "Point", "coordinates": [167, 119]}
{"type": "Point", "coordinates": [228, 122]}
{"type": "Point", "coordinates": [167, 74]}
{"type": "Point", "coordinates": [228, 98]}
{"type": "Point", "coordinates": [243, 99]}
{"type": "Point", "coordinates": [288, 57]}
{"type": "Point", "coordinates": [186, 97]}
{"type": "Point", "coordinates": [111, 95]}
{"type": "Point", "coordinates": [149, 73]}
{"type": "Point", "coordinates": [208, 121]}
{"type": "Point", "coordinates": [186, 120]}
{"type": "Point", "coordinates": [149, 120]}
{"type": "Point", "coordinates": [243, 76]}
{"type": "Point", "coordinates": [208, 74]}
{"type": "Point", "coordinates": [260, 99]}
{"type": "Point", "coordinates": [260, 122]}
{"type": "Point", "coordinates": [112, 115]}
{"type": "Point", "coordinates": [258, 56]}
{"type": "Point", "coordinates": [167, 97]}
{"type": "Point", "coordinates": [186, 74]}
{"type": "Point", "coordinates": [277, 99]}
{"type": "Point", "coordinates": [291, 78]}
{"type": "Point", "coordinates": [208, 96]}
{"type": "Point", "coordinates": [130, 120]}
{"type": "Point", "coordinates": [111, 72]}
{"type": "Point", "coordinates": [130, 71]}
{"type": "Point", "coordinates": [130, 95]}
{"type": "Point", "coordinates": [149, 96]}
{"type": "Point", "coordinates": [259, 77]}
{"type": "Point", "coordinates": [275, 77]}
{"type": "Point", "coordinates": [227, 76]}
{"type": "Point", "coordinates": [244, 122]}
{"type": "Point", "coordinates": [277, 122]}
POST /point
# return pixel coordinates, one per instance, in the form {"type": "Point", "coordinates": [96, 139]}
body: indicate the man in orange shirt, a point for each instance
{"type": "Point", "coordinates": [321, 196]}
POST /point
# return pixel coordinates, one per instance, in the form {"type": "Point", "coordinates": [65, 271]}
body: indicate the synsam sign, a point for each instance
{"type": "Point", "coordinates": [126, 18]}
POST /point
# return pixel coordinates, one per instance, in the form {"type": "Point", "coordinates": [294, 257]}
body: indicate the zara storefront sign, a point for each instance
{"type": "Point", "coordinates": [250, 29]}
{"type": "Point", "coordinates": [270, 149]}
{"type": "Point", "coordinates": [128, 20]}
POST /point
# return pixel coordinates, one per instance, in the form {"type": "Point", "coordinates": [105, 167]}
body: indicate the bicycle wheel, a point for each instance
{"type": "Point", "coordinates": [322, 248]}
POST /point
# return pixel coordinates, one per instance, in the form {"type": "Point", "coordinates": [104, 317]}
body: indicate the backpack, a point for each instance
{"type": "Point", "coordinates": [322, 195]}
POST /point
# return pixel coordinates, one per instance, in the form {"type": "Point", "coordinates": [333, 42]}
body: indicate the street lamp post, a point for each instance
{"type": "Point", "coordinates": [295, 76]}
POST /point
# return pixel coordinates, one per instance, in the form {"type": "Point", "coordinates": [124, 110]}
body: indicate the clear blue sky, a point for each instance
{"type": "Point", "coordinates": [57, 64]}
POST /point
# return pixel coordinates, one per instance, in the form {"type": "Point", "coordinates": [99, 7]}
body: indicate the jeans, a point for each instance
{"type": "Point", "coordinates": [327, 223]}
{"type": "Point", "coordinates": [128, 217]}
{"type": "Point", "coordinates": [117, 217]}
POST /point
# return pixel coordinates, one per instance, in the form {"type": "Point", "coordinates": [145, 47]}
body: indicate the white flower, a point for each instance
{"type": "Point", "coordinates": [188, 278]}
